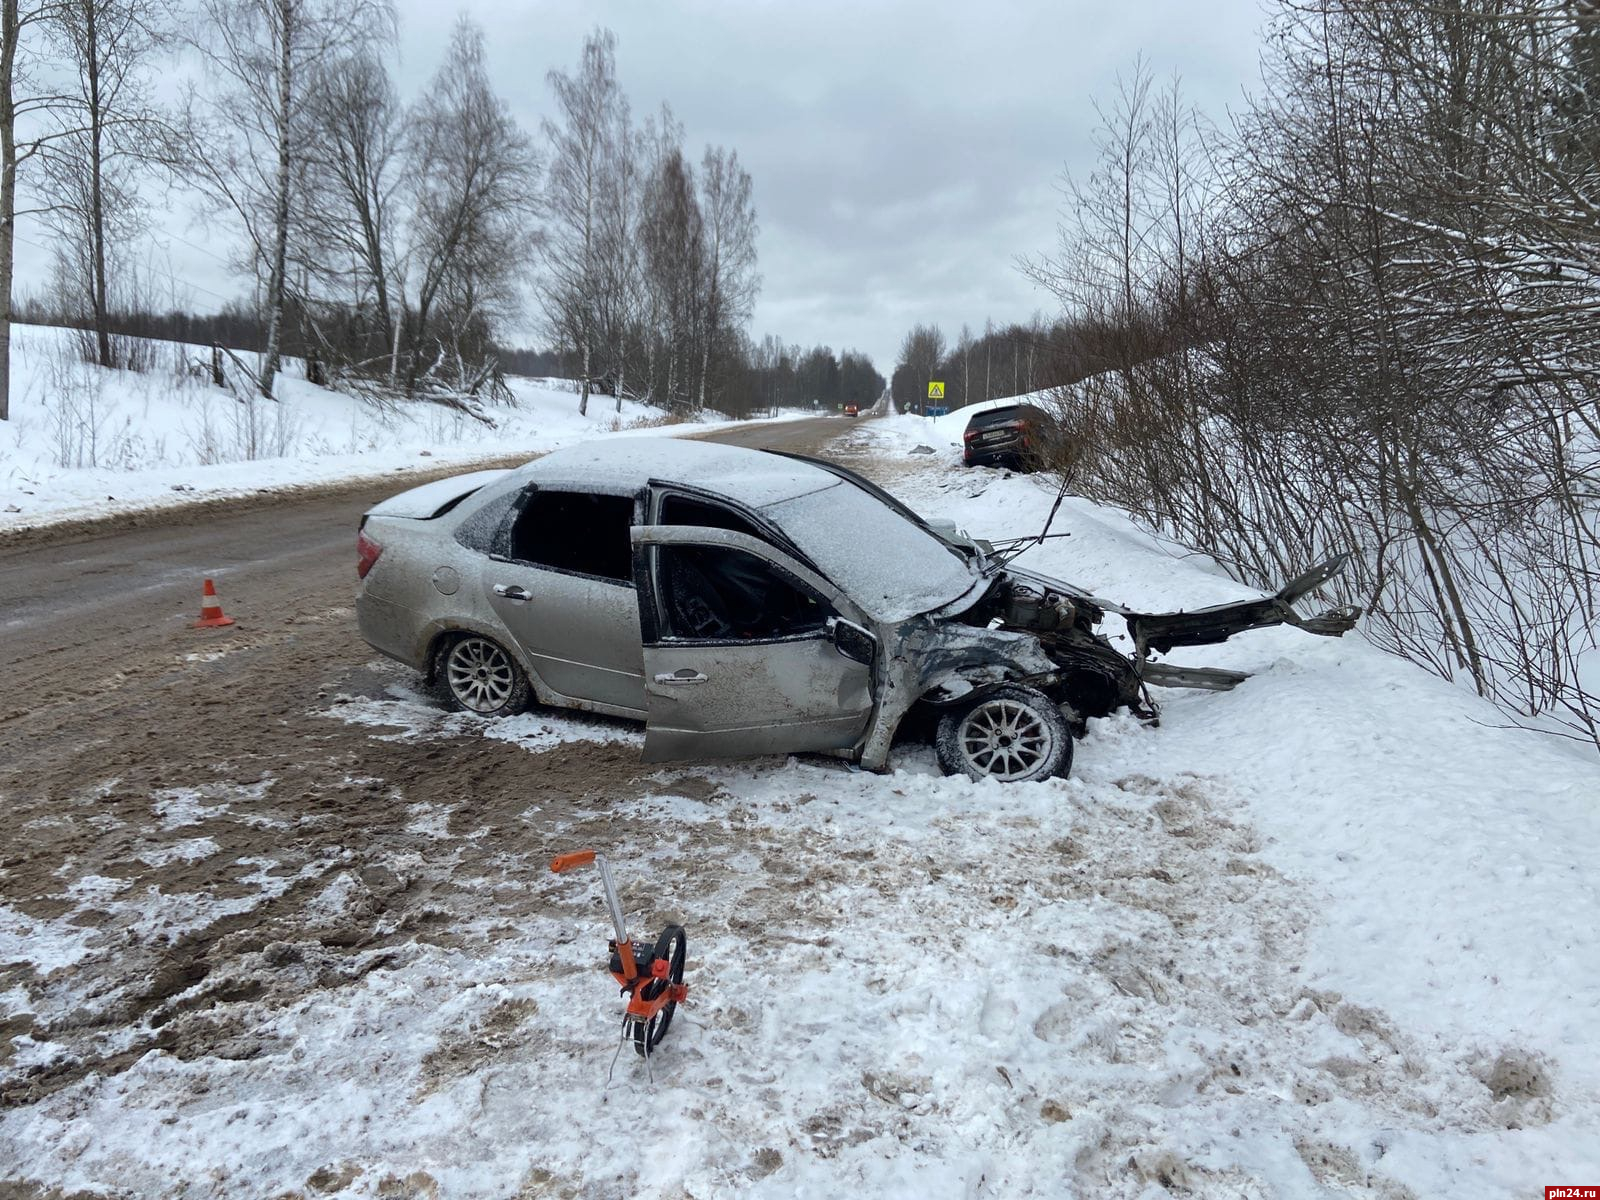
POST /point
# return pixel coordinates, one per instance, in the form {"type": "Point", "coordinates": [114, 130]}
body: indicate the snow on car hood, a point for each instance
{"type": "Point", "coordinates": [891, 566]}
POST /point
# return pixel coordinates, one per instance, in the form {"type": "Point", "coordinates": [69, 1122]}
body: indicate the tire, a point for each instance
{"type": "Point", "coordinates": [1010, 733]}
{"type": "Point", "coordinates": [478, 675]}
{"type": "Point", "coordinates": [672, 945]}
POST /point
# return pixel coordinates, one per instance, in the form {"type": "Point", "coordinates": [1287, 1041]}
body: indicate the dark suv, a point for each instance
{"type": "Point", "coordinates": [1009, 436]}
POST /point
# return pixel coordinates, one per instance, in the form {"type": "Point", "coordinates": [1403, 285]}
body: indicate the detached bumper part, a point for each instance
{"type": "Point", "coordinates": [1206, 679]}
{"type": "Point", "coordinates": [1207, 626]}
{"type": "Point", "coordinates": [1160, 632]}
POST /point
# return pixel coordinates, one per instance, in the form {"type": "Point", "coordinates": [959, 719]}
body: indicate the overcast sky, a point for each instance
{"type": "Point", "coordinates": [904, 154]}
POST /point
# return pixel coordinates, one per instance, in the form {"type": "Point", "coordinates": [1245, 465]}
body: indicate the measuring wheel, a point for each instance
{"type": "Point", "coordinates": [652, 982]}
{"type": "Point", "coordinates": [671, 948]}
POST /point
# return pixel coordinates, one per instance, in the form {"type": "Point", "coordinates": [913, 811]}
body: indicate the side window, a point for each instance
{"type": "Point", "coordinates": [712, 592]}
{"type": "Point", "coordinates": [685, 510]}
{"type": "Point", "coordinates": [576, 531]}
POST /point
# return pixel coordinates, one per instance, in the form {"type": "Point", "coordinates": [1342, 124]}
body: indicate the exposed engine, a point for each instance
{"type": "Point", "coordinates": [1096, 680]}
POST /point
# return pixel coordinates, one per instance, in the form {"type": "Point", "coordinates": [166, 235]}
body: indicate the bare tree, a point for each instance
{"type": "Point", "coordinates": [729, 220]}
{"type": "Point", "coordinates": [920, 355]}
{"type": "Point", "coordinates": [476, 178]}
{"type": "Point", "coordinates": [106, 133]}
{"type": "Point", "coordinates": [251, 135]}
{"type": "Point", "coordinates": [350, 205]}
{"type": "Point", "coordinates": [674, 243]}
{"type": "Point", "coordinates": [17, 101]}
{"type": "Point", "coordinates": [1372, 331]}
{"type": "Point", "coordinates": [578, 189]}
{"type": "Point", "coordinates": [623, 296]}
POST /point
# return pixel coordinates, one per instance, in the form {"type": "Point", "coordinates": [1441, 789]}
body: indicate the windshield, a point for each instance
{"type": "Point", "coordinates": [944, 531]}
{"type": "Point", "coordinates": [889, 563]}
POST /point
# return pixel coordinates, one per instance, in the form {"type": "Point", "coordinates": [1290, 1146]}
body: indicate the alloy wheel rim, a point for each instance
{"type": "Point", "coordinates": [480, 674]}
{"type": "Point", "coordinates": [1005, 740]}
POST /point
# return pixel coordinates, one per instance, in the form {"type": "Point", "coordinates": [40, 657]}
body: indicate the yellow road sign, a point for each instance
{"type": "Point", "coordinates": [935, 389]}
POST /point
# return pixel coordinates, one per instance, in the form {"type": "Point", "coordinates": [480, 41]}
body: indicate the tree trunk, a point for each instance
{"type": "Point", "coordinates": [394, 346]}
{"type": "Point", "coordinates": [97, 214]}
{"type": "Point", "coordinates": [622, 370]}
{"type": "Point", "coordinates": [280, 216]}
{"type": "Point", "coordinates": [583, 394]}
{"type": "Point", "coordinates": [712, 320]}
{"type": "Point", "coordinates": [705, 367]}
{"type": "Point", "coordinates": [8, 191]}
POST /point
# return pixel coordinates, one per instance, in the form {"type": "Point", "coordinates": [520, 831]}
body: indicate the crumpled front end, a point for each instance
{"type": "Point", "coordinates": [940, 661]}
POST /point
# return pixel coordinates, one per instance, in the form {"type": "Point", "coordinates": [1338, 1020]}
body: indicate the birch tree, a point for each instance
{"type": "Point", "coordinates": [352, 204]}
{"type": "Point", "coordinates": [18, 100]}
{"type": "Point", "coordinates": [476, 179]}
{"type": "Point", "coordinates": [251, 132]}
{"type": "Point", "coordinates": [728, 218]}
{"type": "Point", "coordinates": [584, 146]}
{"type": "Point", "coordinates": [106, 133]}
{"type": "Point", "coordinates": [674, 245]}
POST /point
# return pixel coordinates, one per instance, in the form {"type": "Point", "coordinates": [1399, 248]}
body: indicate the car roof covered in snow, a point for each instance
{"type": "Point", "coordinates": [749, 477]}
{"type": "Point", "coordinates": [890, 565]}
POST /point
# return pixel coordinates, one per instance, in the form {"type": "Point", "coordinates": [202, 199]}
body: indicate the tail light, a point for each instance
{"type": "Point", "coordinates": [367, 552]}
{"type": "Point", "coordinates": [970, 435]}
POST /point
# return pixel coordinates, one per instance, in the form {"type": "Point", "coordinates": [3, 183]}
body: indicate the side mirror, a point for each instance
{"type": "Point", "coordinates": [852, 641]}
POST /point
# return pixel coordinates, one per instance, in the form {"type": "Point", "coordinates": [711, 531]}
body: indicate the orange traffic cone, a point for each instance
{"type": "Point", "coordinates": [211, 609]}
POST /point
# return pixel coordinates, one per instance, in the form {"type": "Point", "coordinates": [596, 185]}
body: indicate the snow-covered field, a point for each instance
{"type": "Point", "coordinates": [84, 441]}
{"type": "Point", "coordinates": [1330, 934]}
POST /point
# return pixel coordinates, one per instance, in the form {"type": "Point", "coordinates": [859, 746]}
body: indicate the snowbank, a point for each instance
{"type": "Point", "coordinates": [84, 441]}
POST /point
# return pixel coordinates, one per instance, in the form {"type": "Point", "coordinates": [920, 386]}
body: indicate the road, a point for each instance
{"type": "Point", "coordinates": [114, 707]}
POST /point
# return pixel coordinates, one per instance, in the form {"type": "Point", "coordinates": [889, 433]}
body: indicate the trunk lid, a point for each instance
{"type": "Point", "coordinates": [430, 500]}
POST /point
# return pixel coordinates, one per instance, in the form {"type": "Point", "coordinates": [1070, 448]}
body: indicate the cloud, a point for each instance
{"type": "Point", "coordinates": [904, 154]}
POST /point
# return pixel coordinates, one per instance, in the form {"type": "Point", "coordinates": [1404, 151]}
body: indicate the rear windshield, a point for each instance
{"type": "Point", "coordinates": [995, 416]}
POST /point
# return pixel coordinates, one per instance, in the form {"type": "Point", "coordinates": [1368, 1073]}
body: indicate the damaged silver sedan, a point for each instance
{"type": "Point", "coordinates": [742, 602]}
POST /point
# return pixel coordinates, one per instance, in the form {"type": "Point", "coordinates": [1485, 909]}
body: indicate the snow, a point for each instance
{"type": "Point", "coordinates": [407, 713]}
{"type": "Point", "coordinates": [1441, 836]}
{"type": "Point", "coordinates": [427, 499]}
{"type": "Point", "coordinates": [84, 441]}
{"type": "Point", "coordinates": [1331, 933]}
{"type": "Point", "coordinates": [629, 463]}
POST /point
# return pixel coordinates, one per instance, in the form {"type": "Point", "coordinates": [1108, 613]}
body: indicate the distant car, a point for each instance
{"type": "Point", "coordinates": [1012, 435]}
{"type": "Point", "coordinates": [742, 602]}
{"type": "Point", "coordinates": [850, 410]}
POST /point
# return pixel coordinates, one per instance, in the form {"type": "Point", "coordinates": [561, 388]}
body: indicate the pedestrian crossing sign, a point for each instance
{"type": "Point", "coordinates": [935, 389]}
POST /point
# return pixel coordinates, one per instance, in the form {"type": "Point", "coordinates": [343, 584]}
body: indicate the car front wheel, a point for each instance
{"type": "Point", "coordinates": [1011, 733]}
{"type": "Point", "coordinates": [477, 674]}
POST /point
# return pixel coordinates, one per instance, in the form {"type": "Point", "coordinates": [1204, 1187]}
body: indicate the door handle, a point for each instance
{"type": "Point", "coordinates": [683, 675]}
{"type": "Point", "coordinates": [512, 592]}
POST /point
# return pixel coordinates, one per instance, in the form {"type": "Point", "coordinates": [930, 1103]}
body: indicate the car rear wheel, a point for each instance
{"type": "Point", "coordinates": [1011, 733]}
{"type": "Point", "coordinates": [477, 674]}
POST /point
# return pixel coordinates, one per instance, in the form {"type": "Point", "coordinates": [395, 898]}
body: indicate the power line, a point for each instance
{"type": "Point", "coordinates": [167, 275]}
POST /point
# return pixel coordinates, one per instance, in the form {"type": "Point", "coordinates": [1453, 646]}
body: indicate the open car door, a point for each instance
{"type": "Point", "coordinates": [746, 651]}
